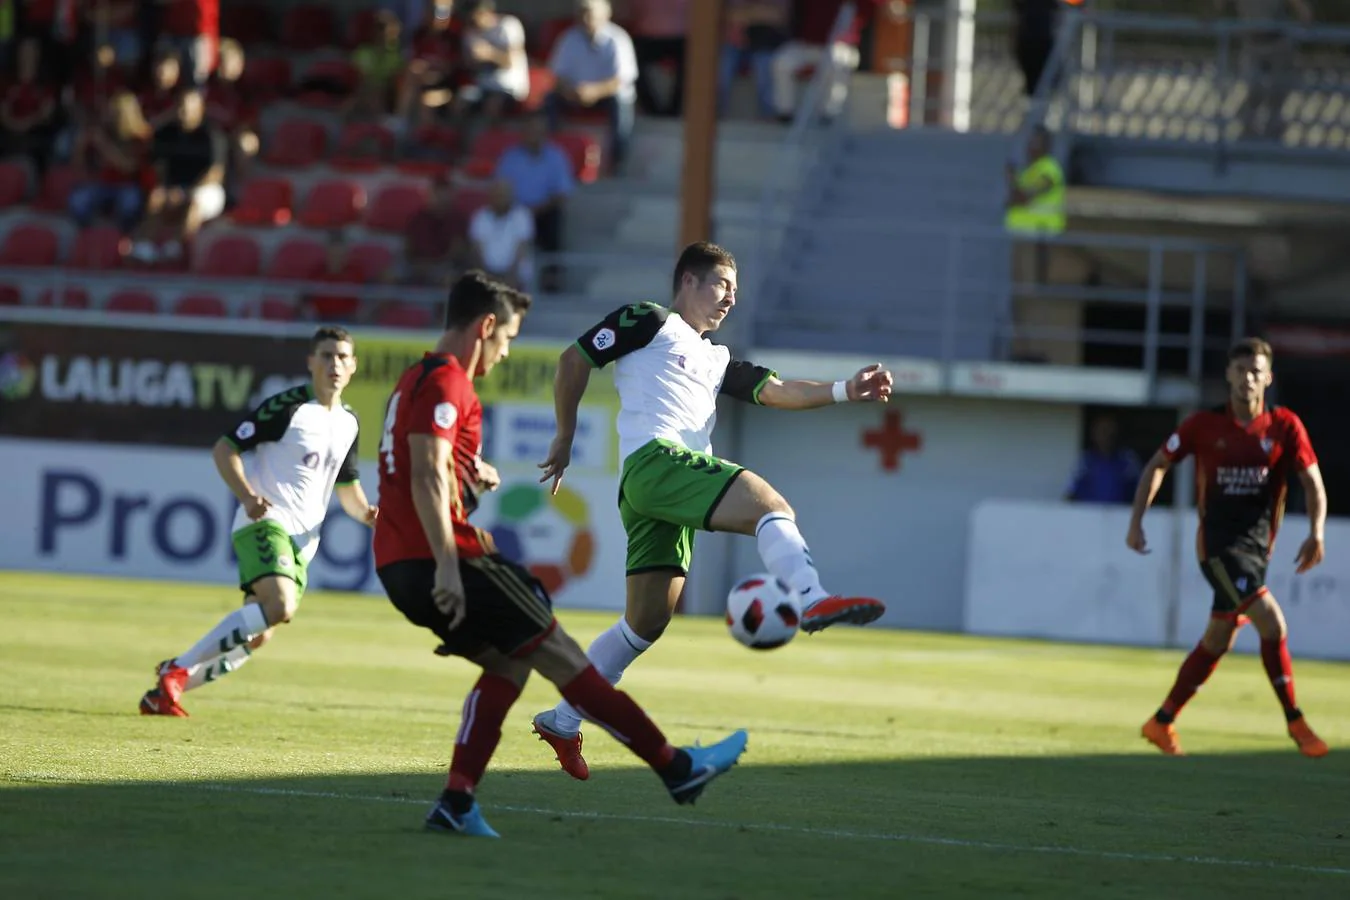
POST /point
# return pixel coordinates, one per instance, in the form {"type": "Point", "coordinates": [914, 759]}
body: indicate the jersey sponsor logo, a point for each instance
{"type": "Point", "coordinates": [1267, 444]}
{"type": "Point", "coordinates": [245, 431]}
{"type": "Point", "coordinates": [1242, 481]}
{"type": "Point", "coordinates": [1241, 583]}
{"type": "Point", "coordinates": [604, 339]}
{"type": "Point", "coordinates": [1174, 443]}
{"type": "Point", "coordinates": [445, 415]}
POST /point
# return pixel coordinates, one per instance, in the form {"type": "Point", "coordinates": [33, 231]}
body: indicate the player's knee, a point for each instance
{"type": "Point", "coordinates": [649, 623]}
{"type": "Point", "coordinates": [516, 671]}
{"type": "Point", "coordinates": [558, 658]}
{"type": "Point", "coordinates": [278, 604]}
{"type": "Point", "coordinates": [260, 639]}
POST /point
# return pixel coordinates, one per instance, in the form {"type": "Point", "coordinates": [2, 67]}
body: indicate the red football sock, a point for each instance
{"type": "Point", "coordinates": [480, 729]}
{"type": "Point", "coordinates": [1194, 672]}
{"type": "Point", "coordinates": [1280, 671]}
{"type": "Point", "coordinates": [598, 700]}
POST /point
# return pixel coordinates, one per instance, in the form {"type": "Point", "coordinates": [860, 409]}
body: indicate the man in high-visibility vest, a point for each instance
{"type": "Point", "coordinates": [1035, 203]}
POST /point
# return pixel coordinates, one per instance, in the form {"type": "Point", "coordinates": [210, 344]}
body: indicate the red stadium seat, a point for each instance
{"type": "Point", "coordinates": [299, 257]}
{"type": "Point", "coordinates": [247, 23]}
{"type": "Point", "coordinates": [308, 27]}
{"type": "Point", "coordinates": [332, 204]}
{"type": "Point", "coordinates": [491, 143]}
{"type": "Point", "coordinates": [97, 247]}
{"type": "Point", "coordinates": [373, 259]}
{"type": "Point", "coordinates": [395, 205]}
{"type": "Point", "coordinates": [264, 201]}
{"type": "Point", "coordinates": [363, 145]}
{"type": "Point", "coordinates": [439, 137]}
{"type": "Point", "coordinates": [132, 302]}
{"type": "Point", "coordinates": [231, 256]}
{"type": "Point", "coordinates": [425, 168]}
{"type": "Point", "coordinates": [361, 28]}
{"type": "Point", "coordinates": [404, 315]}
{"type": "Point", "coordinates": [68, 298]}
{"type": "Point", "coordinates": [206, 305]}
{"type": "Point", "coordinates": [277, 309]}
{"type": "Point", "coordinates": [296, 142]}
{"type": "Point", "coordinates": [338, 72]}
{"type": "Point", "coordinates": [10, 295]}
{"type": "Point", "coordinates": [542, 82]}
{"type": "Point", "coordinates": [546, 35]}
{"type": "Point", "coordinates": [265, 78]}
{"type": "Point", "coordinates": [30, 245]}
{"type": "Point", "coordinates": [584, 152]}
{"type": "Point", "coordinates": [56, 187]}
{"type": "Point", "coordinates": [13, 184]}
{"type": "Point", "coordinates": [468, 201]}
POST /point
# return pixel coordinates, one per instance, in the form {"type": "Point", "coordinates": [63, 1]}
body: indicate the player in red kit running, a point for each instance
{"type": "Point", "coordinates": [1244, 455]}
{"type": "Point", "coordinates": [445, 575]}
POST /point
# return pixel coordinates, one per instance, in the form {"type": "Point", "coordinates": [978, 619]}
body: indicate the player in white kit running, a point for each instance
{"type": "Point", "coordinates": [283, 463]}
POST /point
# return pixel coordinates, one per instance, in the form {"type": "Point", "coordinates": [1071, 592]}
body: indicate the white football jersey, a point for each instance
{"type": "Point", "coordinates": [295, 452]}
{"type": "Point", "coordinates": [668, 376]}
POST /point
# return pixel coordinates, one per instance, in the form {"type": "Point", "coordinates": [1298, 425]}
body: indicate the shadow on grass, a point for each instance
{"type": "Point", "coordinates": [1108, 826]}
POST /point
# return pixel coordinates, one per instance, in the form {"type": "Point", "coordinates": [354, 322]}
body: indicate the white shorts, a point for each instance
{"type": "Point", "coordinates": [209, 199]}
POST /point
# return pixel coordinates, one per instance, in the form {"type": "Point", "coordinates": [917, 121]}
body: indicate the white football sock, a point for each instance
{"type": "Point", "coordinates": [236, 629]}
{"type": "Point", "coordinates": [217, 668]}
{"type": "Point", "coordinates": [611, 653]}
{"type": "Point", "coordinates": [786, 556]}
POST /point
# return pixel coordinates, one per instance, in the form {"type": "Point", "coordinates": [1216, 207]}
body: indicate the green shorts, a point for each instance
{"type": "Point", "coordinates": [666, 492]}
{"type": "Point", "coordinates": [264, 548]}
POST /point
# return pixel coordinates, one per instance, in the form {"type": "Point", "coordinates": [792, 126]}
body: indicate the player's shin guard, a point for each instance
{"type": "Point", "coordinates": [218, 667]}
{"type": "Point", "coordinates": [480, 729]}
{"type": "Point", "coordinates": [785, 555]}
{"type": "Point", "coordinates": [611, 653]}
{"type": "Point", "coordinates": [235, 630]}
{"type": "Point", "coordinates": [615, 711]}
{"type": "Point", "coordinates": [1194, 672]}
{"type": "Point", "coordinates": [1280, 671]}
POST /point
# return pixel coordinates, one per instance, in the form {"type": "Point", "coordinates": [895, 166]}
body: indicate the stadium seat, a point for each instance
{"type": "Point", "coordinates": [264, 201]}
{"type": "Point", "coordinates": [360, 28]}
{"type": "Point", "coordinates": [332, 204]}
{"type": "Point", "coordinates": [546, 35]}
{"type": "Point", "coordinates": [338, 72]}
{"type": "Point", "coordinates": [231, 256]}
{"type": "Point", "coordinates": [468, 201]}
{"type": "Point", "coordinates": [67, 298]}
{"type": "Point", "coordinates": [247, 23]}
{"type": "Point", "coordinates": [206, 305]}
{"type": "Point", "coordinates": [265, 78]}
{"type": "Point", "coordinates": [491, 143]}
{"type": "Point", "coordinates": [13, 184]}
{"type": "Point", "coordinates": [395, 205]}
{"type": "Point", "coordinates": [30, 245]}
{"type": "Point", "coordinates": [56, 187]}
{"type": "Point", "coordinates": [10, 295]}
{"type": "Point", "coordinates": [362, 146]}
{"type": "Point", "coordinates": [426, 168]}
{"type": "Point", "coordinates": [404, 315]}
{"type": "Point", "coordinates": [131, 301]}
{"type": "Point", "coordinates": [584, 152]}
{"type": "Point", "coordinates": [97, 247]}
{"type": "Point", "coordinates": [372, 258]}
{"type": "Point", "coordinates": [298, 257]}
{"type": "Point", "coordinates": [542, 81]}
{"type": "Point", "coordinates": [277, 309]}
{"type": "Point", "coordinates": [308, 27]}
{"type": "Point", "coordinates": [296, 142]}
{"type": "Point", "coordinates": [438, 137]}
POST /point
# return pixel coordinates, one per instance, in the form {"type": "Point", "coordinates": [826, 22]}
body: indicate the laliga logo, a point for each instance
{"type": "Point", "coordinates": [550, 536]}
{"type": "Point", "coordinates": [17, 376]}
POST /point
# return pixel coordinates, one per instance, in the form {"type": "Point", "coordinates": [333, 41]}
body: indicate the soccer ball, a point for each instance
{"type": "Point", "coordinates": [763, 613]}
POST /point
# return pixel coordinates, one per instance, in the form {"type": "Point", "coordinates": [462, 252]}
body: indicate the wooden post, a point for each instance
{"type": "Point", "coordinates": [702, 48]}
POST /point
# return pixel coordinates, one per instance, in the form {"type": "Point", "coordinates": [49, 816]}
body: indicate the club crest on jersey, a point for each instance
{"type": "Point", "coordinates": [311, 460]}
{"type": "Point", "coordinates": [604, 339]}
{"type": "Point", "coordinates": [245, 431]}
{"type": "Point", "coordinates": [444, 414]}
{"type": "Point", "coordinates": [1267, 444]}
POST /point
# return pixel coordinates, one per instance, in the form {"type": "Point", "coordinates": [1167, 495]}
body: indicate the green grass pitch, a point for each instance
{"type": "Point", "coordinates": [881, 764]}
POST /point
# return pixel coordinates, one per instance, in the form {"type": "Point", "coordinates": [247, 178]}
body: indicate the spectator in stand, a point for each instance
{"type": "Point", "coordinates": [540, 175]}
{"type": "Point", "coordinates": [192, 27]}
{"type": "Point", "coordinates": [433, 243]}
{"type": "Point", "coordinates": [112, 155]}
{"type": "Point", "coordinates": [1266, 61]}
{"type": "Point", "coordinates": [53, 24]}
{"type": "Point", "coordinates": [380, 63]}
{"type": "Point", "coordinates": [117, 20]}
{"type": "Point", "coordinates": [338, 306]}
{"type": "Point", "coordinates": [755, 30]}
{"type": "Point", "coordinates": [815, 20]}
{"type": "Point", "coordinates": [502, 234]}
{"type": "Point", "coordinates": [429, 81]}
{"type": "Point", "coordinates": [28, 110]}
{"type": "Point", "coordinates": [494, 50]}
{"type": "Point", "coordinates": [596, 69]}
{"type": "Point", "coordinates": [658, 28]}
{"type": "Point", "coordinates": [160, 103]}
{"type": "Point", "coordinates": [230, 110]}
{"type": "Point", "coordinates": [1107, 472]}
{"type": "Point", "coordinates": [190, 156]}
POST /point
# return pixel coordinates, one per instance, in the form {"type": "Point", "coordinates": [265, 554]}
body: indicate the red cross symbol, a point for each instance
{"type": "Point", "coordinates": [892, 440]}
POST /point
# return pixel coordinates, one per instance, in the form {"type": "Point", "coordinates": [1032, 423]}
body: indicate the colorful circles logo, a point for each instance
{"type": "Point", "coordinates": [17, 376]}
{"type": "Point", "coordinates": [551, 536]}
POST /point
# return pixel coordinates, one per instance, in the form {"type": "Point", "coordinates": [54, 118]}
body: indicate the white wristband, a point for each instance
{"type": "Point", "coordinates": [840, 392]}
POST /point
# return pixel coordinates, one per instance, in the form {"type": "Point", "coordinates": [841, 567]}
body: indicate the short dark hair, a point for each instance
{"type": "Point", "coordinates": [330, 333]}
{"type": "Point", "coordinates": [476, 6]}
{"type": "Point", "coordinates": [474, 295]}
{"type": "Point", "coordinates": [700, 258]}
{"type": "Point", "coordinates": [1249, 348]}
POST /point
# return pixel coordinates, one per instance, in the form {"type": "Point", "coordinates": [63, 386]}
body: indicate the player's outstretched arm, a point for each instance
{"type": "Point", "coordinates": [355, 504]}
{"type": "Point", "coordinates": [1149, 481]}
{"type": "Point", "coordinates": [230, 464]}
{"type": "Point", "coordinates": [1313, 548]}
{"type": "Point", "coordinates": [432, 493]}
{"type": "Point", "coordinates": [569, 386]}
{"type": "Point", "coordinates": [871, 384]}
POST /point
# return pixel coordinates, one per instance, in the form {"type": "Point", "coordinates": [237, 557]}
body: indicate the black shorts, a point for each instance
{"type": "Point", "coordinates": [505, 606]}
{"type": "Point", "coordinates": [1237, 577]}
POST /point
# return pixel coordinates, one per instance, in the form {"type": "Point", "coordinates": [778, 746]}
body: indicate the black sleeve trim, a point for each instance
{"type": "Point", "coordinates": [744, 380]}
{"type": "Point", "coordinates": [270, 420]}
{"type": "Point", "coordinates": [623, 331]}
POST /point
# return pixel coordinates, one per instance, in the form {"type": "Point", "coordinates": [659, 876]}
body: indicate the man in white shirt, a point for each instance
{"type": "Point", "coordinates": [596, 68]}
{"type": "Point", "coordinates": [283, 463]}
{"type": "Point", "coordinates": [503, 234]}
{"type": "Point", "coordinates": [494, 48]}
{"type": "Point", "coordinates": [669, 375]}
